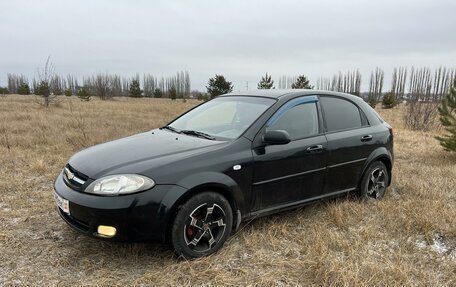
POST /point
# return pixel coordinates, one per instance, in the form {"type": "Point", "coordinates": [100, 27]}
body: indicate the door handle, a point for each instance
{"type": "Point", "coordinates": [315, 148]}
{"type": "Point", "coordinates": [366, 138]}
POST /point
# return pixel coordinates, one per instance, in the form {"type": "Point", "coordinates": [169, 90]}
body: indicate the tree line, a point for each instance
{"type": "Point", "coordinates": [420, 84]}
{"type": "Point", "coordinates": [103, 85]}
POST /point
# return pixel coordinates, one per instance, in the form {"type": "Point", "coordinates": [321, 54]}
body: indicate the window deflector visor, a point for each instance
{"type": "Point", "coordinates": [289, 105]}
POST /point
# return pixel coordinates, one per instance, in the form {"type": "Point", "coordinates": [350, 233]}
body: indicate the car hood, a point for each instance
{"type": "Point", "coordinates": [139, 153]}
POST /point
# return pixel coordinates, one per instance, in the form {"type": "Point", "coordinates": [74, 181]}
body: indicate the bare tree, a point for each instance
{"type": "Point", "coordinates": [102, 86]}
{"type": "Point", "coordinates": [187, 85]}
{"type": "Point", "coordinates": [56, 85]}
{"type": "Point", "coordinates": [12, 86]}
{"type": "Point", "coordinates": [179, 85]}
{"type": "Point", "coordinates": [15, 81]}
{"type": "Point", "coordinates": [116, 86]}
{"type": "Point", "coordinates": [448, 82]}
{"type": "Point", "coordinates": [398, 82]}
{"type": "Point", "coordinates": [443, 79]}
{"type": "Point", "coordinates": [71, 84]}
{"type": "Point", "coordinates": [43, 89]}
{"type": "Point", "coordinates": [352, 83]}
{"type": "Point", "coordinates": [125, 87]}
{"type": "Point", "coordinates": [323, 84]}
{"type": "Point", "coordinates": [161, 85]}
{"type": "Point", "coordinates": [149, 84]}
{"type": "Point", "coordinates": [421, 112]}
{"type": "Point", "coordinates": [375, 86]}
{"type": "Point", "coordinates": [286, 82]}
{"type": "Point", "coordinates": [335, 83]}
{"type": "Point", "coordinates": [347, 83]}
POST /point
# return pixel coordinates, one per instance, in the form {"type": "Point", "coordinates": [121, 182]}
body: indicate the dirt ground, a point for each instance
{"type": "Point", "coordinates": [408, 238]}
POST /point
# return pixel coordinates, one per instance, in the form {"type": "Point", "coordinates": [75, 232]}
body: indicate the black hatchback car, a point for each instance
{"type": "Point", "coordinates": [236, 157]}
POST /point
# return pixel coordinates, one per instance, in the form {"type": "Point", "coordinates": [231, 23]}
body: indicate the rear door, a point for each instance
{"type": "Point", "coordinates": [350, 142]}
{"type": "Point", "coordinates": [285, 174]}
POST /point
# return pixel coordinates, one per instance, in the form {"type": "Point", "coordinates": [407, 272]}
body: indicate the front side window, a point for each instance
{"type": "Point", "coordinates": [299, 119]}
{"type": "Point", "coordinates": [340, 114]}
{"type": "Point", "coordinates": [224, 117]}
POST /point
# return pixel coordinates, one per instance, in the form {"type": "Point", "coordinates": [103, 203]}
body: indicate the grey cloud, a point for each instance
{"type": "Point", "coordinates": [240, 39]}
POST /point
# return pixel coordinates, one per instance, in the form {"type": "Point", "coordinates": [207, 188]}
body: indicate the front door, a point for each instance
{"type": "Point", "coordinates": [286, 174]}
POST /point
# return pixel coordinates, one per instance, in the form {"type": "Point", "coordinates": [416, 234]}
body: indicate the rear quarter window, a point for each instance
{"type": "Point", "coordinates": [340, 114]}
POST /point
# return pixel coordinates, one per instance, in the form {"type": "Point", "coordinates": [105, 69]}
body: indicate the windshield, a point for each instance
{"type": "Point", "coordinates": [225, 117]}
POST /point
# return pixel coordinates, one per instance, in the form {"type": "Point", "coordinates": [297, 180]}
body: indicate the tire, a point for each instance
{"type": "Point", "coordinates": [375, 181]}
{"type": "Point", "coordinates": [202, 225]}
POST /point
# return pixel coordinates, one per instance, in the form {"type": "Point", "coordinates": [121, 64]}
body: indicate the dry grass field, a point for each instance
{"type": "Point", "coordinates": [406, 239]}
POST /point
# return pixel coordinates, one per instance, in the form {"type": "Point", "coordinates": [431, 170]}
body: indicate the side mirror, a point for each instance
{"type": "Point", "coordinates": [276, 137]}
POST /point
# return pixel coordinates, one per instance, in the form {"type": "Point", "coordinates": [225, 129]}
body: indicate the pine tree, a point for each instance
{"type": "Point", "coordinates": [172, 93]}
{"type": "Point", "coordinates": [135, 89]}
{"type": "Point", "coordinates": [23, 89]}
{"type": "Point", "coordinates": [4, 91]}
{"type": "Point", "coordinates": [266, 82]}
{"type": "Point", "coordinates": [447, 112]}
{"type": "Point", "coordinates": [301, 83]}
{"type": "Point", "coordinates": [218, 86]}
{"type": "Point", "coordinates": [84, 94]}
{"type": "Point", "coordinates": [43, 89]}
{"type": "Point", "coordinates": [158, 93]}
{"type": "Point", "coordinates": [389, 101]}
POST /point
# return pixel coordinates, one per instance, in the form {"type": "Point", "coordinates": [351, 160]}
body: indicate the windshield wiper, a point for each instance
{"type": "Point", "coordinates": [171, 129]}
{"type": "Point", "coordinates": [198, 134]}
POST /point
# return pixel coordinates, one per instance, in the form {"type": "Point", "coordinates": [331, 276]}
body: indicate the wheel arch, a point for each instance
{"type": "Point", "coordinates": [380, 154]}
{"type": "Point", "coordinates": [221, 184]}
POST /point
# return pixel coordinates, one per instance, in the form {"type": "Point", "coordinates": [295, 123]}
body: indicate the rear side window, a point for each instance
{"type": "Point", "coordinates": [340, 114]}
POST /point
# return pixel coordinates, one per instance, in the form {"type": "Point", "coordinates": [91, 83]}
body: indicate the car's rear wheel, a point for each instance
{"type": "Point", "coordinates": [202, 225]}
{"type": "Point", "coordinates": [375, 181]}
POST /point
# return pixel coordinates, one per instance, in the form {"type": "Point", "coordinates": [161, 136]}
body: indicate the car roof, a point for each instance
{"type": "Point", "coordinates": [290, 93]}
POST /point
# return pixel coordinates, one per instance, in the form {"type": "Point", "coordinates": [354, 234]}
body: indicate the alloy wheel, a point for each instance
{"type": "Point", "coordinates": [204, 227]}
{"type": "Point", "coordinates": [376, 184]}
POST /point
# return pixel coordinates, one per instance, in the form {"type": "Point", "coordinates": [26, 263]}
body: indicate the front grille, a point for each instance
{"type": "Point", "coordinates": [73, 178]}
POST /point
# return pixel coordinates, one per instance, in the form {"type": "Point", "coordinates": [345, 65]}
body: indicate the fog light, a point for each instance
{"type": "Point", "coordinates": [106, 231]}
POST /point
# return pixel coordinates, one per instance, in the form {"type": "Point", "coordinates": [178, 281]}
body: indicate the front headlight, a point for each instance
{"type": "Point", "coordinates": [120, 184]}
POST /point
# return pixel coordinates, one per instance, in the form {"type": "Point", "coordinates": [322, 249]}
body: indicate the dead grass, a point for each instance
{"type": "Point", "coordinates": [408, 238]}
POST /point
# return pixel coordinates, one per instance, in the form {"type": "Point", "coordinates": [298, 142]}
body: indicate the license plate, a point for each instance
{"type": "Point", "coordinates": [62, 203]}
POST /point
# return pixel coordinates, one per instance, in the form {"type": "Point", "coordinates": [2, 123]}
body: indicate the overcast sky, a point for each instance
{"type": "Point", "coordinates": [240, 39]}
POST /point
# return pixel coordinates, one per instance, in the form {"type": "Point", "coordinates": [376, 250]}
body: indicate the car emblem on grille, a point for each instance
{"type": "Point", "coordinates": [69, 174]}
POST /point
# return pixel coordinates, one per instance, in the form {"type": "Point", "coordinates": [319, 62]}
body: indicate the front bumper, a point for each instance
{"type": "Point", "coordinates": [137, 217]}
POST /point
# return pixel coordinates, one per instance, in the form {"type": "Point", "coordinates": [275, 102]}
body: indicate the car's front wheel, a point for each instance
{"type": "Point", "coordinates": [202, 225]}
{"type": "Point", "coordinates": [375, 181]}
